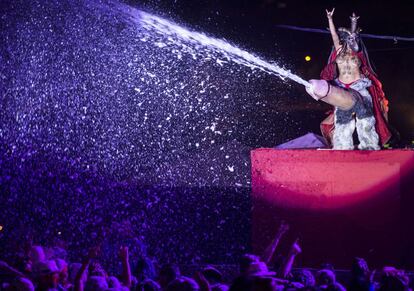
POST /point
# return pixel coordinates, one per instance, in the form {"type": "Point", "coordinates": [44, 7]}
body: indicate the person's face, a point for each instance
{"type": "Point", "coordinates": [352, 41]}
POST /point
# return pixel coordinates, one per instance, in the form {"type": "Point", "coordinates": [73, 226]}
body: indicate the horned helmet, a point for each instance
{"type": "Point", "coordinates": [350, 37]}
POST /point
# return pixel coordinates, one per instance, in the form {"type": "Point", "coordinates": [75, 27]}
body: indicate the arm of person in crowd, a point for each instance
{"type": "Point", "coordinates": [372, 285]}
{"type": "Point", "coordinates": [202, 282]}
{"type": "Point", "coordinates": [270, 250]}
{"type": "Point", "coordinates": [332, 29]}
{"type": "Point", "coordinates": [287, 266]}
{"type": "Point", "coordinates": [79, 283]}
{"type": "Point", "coordinates": [126, 268]}
{"type": "Point", "coordinates": [9, 270]}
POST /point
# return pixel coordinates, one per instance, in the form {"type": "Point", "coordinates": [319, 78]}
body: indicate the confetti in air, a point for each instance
{"type": "Point", "coordinates": [116, 123]}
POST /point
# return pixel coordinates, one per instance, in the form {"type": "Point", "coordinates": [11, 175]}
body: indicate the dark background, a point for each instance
{"type": "Point", "coordinates": [252, 25]}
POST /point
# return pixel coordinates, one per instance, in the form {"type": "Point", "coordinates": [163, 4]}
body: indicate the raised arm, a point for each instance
{"type": "Point", "coordinates": [287, 266]}
{"type": "Point", "coordinates": [332, 29]}
{"type": "Point", "coordinates": [79, 279]}
{"type": "Point", "coordinates": [270, 250]}
{"type": "Point", "coordinates": [126, 268]}
{"type": "Point", "coordinates": [5, 268]}
{"type": "Point", "coordinates": [79, 284]}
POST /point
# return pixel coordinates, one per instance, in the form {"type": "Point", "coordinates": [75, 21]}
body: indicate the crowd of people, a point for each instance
{"type": "Point", "coordinates": [48, 268]}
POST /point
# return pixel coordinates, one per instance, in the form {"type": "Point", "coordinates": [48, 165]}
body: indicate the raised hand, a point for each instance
{"type": "Point", "coordinates": [329, 14]}
{"type": "Point", "coordinates": [354, 17]}
{"type": "Point", "coordinates": [283, 228]}
{"type": "Point", "coordinates": [295, 248]}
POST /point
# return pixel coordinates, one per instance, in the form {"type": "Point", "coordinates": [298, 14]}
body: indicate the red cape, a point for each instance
{"type": "Point", "coordinates": [379, 100]}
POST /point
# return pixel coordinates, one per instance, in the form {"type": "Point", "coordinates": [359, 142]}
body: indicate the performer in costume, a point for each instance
{"type": "Point", "coordinates": [351, 86]}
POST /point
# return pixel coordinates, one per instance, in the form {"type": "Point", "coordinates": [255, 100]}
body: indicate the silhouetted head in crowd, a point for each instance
{"type": "Point", "coordinates": [263, 284]}
{"type": "Point", "coordinates": [147, 285]}
{"type": "Point", "coordinates": [259, 269]}
{"type": "Point", "coordinates": [96, 269]}
{"type": "Point", "coordinates": [393, 279]}
{"type": "Point", "coordinates": [303, 276]}
{"type": "Point", "coordinates": [359, 268]}
{"type": "Point", "coordinates": [326, 280]}
{"type": "Point", "coordinates": [36, 254]}
{"type": "Point", "coordinates": [360, 275]}
{"type": "Point", "coordinates": [46, 273]}
{"type": "Point", "coordinates": [144, 269]}
{"type": "Point", "coordinates": [325, 277]}
{"type": "Point", "coordinates": [327, 266]}
{"type": "Point", "coordinates": [96, 283]}
{"type": "Point", "coordinates": [212, 275]}
{"type": "Point", "coordinates": [183, 284]}
{"type": "Point", "coordinates": [245, 262]}
{"type": "Point", "coordinates": [167, 274]}
{"type": "Point", "coordinates": [114, 283]}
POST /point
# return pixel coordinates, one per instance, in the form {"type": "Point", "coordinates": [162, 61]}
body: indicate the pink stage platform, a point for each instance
{"type": "Point", "coordinates": [340, 204]}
